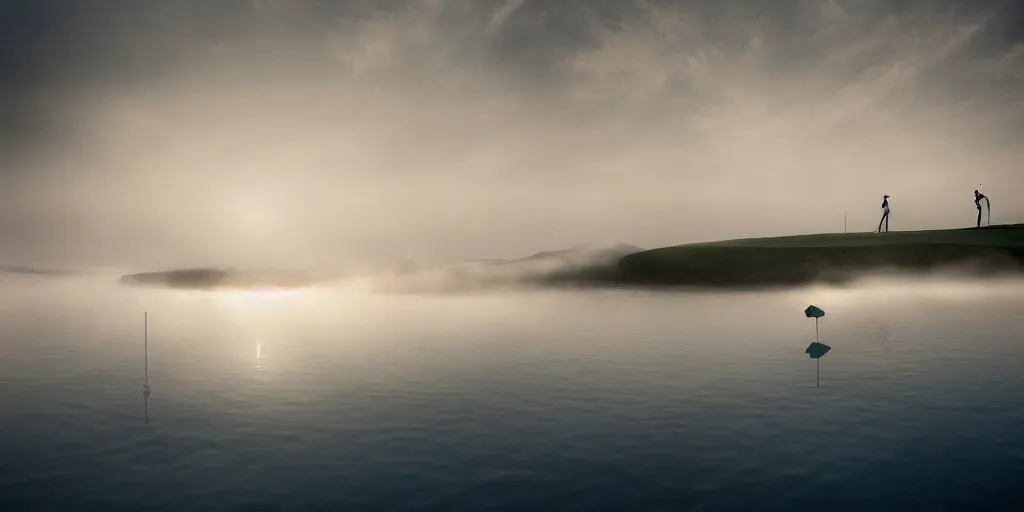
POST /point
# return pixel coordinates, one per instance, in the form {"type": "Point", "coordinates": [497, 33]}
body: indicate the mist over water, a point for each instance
{"type": "Point", "coordinates": [335, 204]}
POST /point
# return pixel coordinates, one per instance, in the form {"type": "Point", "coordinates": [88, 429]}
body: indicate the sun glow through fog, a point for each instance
{"type": "Point", "coordinates": [262, 297]}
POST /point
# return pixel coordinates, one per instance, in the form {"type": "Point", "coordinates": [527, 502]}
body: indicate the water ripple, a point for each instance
{"type": "Point", "coordinates": [603, 401]}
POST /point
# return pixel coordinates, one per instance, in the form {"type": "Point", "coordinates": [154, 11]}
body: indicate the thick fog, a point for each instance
{"type": "Point", "coordinates": [301, 133]}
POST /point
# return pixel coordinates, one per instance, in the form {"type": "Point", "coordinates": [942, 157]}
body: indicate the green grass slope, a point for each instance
{"type": "Point", "coordinates": [828, 257]}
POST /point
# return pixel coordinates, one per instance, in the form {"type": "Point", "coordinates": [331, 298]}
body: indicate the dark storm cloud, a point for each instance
{"type": "Point", "coordinates": [273, 130]}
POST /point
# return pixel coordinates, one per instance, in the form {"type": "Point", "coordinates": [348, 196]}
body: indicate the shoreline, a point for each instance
{"type": "Point", "coordinates": [827, 258]}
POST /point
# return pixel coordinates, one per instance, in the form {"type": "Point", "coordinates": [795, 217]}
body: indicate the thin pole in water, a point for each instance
{"type": "Point", "coordinates": [817, 378]}
{"type": "Point", "coordinates": [145, 384]}
{"type": "Point", "coordinates": [816, 339]}
{"type": "Point", "coordinates": [145, 330]}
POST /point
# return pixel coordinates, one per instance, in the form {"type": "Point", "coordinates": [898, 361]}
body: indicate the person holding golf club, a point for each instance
{"type": "Point", "coordinates": [885, 214]}
{"type": "Point", "coordinates": [978, 196]}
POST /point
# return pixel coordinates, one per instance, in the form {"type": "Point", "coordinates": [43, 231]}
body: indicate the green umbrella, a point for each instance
{"type": "Point", "coordinates": [814, 312]}
{"type": "Point", "coordinates": [817, 349]}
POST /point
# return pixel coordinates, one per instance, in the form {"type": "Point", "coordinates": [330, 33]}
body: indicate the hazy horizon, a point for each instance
{"type": "Point", "coordinates": [311, 133]}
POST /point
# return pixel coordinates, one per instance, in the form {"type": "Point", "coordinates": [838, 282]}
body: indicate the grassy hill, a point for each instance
{"type": "Point", "coordinates": [829, 257]}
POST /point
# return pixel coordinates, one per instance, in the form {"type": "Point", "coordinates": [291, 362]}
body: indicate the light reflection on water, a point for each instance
{"type": "Point", "coordinates": [600, 399]}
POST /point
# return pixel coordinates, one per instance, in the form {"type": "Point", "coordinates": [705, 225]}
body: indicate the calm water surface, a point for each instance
{"type": "Point", "coordinates": [598, 400]}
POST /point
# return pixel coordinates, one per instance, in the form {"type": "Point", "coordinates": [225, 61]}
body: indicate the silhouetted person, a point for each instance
{"type": "Point", "coordinates": [978, 196]}
{"type": "Point", "coordinates": [885, 215]}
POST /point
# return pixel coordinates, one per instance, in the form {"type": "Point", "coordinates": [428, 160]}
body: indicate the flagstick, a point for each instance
{"type": "Point", "coordinates": [989, 204]}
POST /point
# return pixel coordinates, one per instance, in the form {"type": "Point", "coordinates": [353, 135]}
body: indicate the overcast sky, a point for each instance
{"type": "Point", "coordinates": [164, 133]}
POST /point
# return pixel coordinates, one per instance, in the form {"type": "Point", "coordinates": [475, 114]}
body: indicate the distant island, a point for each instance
{"type": "Point", "coordinates": [832, 258]}
{"type": "Point", "coordinates": [217, 278]}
